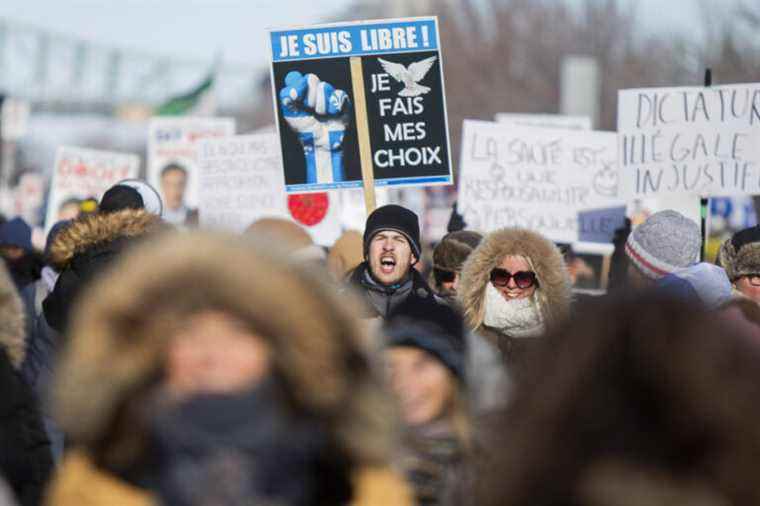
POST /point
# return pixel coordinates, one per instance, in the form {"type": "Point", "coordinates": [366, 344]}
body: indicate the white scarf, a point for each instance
{"type": "Point", "coordinates": [515, 318]}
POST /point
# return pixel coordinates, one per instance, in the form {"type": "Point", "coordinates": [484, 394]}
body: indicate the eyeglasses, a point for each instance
{"type": "Point", "coordinates": [442, 276]}
{"type": "Point", "coordinates": [523, 279]}
{"type": "Point", "coordinates": [753, 279]}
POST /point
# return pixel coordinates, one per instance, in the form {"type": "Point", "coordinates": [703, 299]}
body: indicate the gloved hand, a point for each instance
{"type": "Point", "coordinates": [319, 115]}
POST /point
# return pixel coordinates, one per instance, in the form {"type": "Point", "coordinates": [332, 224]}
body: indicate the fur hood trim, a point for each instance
{"type": "Point", "coordinates": [95, 229]}
{"type": "Point", "coordinates": [12, 321]}
{"type": "Point", "coordinates": [738, 263]}
{"type": "Point", "coordinates": [118, 337]}
{"type": "Point", "coordinates": [554, 292]}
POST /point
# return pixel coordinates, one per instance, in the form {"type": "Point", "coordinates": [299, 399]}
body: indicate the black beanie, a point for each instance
{"type": "Point", "coordinates": [435, 328]}
{"type": "Point", "coordinates": [121, 197]}
{"type": "Point", "coordinates": [396, 218]}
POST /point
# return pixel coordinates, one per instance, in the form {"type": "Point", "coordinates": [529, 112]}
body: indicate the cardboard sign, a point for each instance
{"type": "Point", "coordinates": [241, 181]}
{"type": "Point", "coordinates": [172, 159]}
{"type": "Point", "coordinates": [400, 75]}
{"type": "Point", "coordinates": [82, 173]}
{"type": "Point", "coordinates": [696, 141]}
{"type": "Point", "coordinates": [545, 121]}
{"type": "Point", "coordinates": [535, 178]}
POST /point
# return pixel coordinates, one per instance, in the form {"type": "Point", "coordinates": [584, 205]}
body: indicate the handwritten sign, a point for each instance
{"type": "Point", "coordinates": [241, 181]}
{"type": "Point", "coordinates": [81, 173]}
{"type": "Point", "coordinates": [535, 178]}
{"type": "Point", "coordinates": [545, 121]}
{"type": "Point", "coordinates": [700, 141]}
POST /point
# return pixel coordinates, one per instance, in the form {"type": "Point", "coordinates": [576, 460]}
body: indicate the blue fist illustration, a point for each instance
{"type": "Point", "coordinates": [319, 115]}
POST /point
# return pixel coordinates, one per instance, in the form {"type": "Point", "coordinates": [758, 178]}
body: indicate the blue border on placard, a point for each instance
{"type": "Point", "coordinates": [355, 31]}
{"type": "Point", "coordinates": [410, 181]}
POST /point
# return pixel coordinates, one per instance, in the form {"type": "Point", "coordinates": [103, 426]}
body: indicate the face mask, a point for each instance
{"type": "Point", "coordinates": [516, 318]}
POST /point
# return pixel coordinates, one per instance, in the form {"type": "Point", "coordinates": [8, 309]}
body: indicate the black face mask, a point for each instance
{"type": "Point", "coordinates": [230, 449]}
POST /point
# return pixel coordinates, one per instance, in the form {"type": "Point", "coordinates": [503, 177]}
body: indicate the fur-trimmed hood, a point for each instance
{"type": "Point", "coordinates": [554, 291]}
{"type": "Point", "coordinates": [119, 335]}
{"type": "Point", "coordinates": [12, 320]}
{"type": "Point", "coordinates": [739, 260]}
{"type": "Point", "coordinates": [99, 228]}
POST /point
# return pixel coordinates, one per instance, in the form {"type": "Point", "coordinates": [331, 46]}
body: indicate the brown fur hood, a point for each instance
{"type": "Point", "coordinates": [740, 261]}
{"type": "Point", "coordinates": [94, 229]}
{"type": "Point", "coordinates": [554, 293]}
{"type": "Point", "coordinates": [12, 319]}
{"type": "Point", "coordinates": [119, 336]}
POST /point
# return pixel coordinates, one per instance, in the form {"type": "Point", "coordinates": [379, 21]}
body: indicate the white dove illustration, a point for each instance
{"type": "Point", "coordinates": [410, 76]}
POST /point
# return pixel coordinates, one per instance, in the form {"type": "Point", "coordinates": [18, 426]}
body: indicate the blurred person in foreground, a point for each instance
{"type": "Point", "coordinates": [425, 363]}
{"type": "Point", "coordinates": [204, 369]}
{"type": "Point", "coordinates": [639, 402]}
{"type": "Point", "coordinates": [289, 237]}
{"type": "Point", "coordinates": [387, 278]}
{"type": "Point", "coordinates": [127, 211]}
{"type": "Point", "coordinates": [740, 256]}
{"type": "Point", "coordinates": [514, 288]}
{"type": "Point", "coordinates": [345, 255]}
{"type": "Point", "coordinates": [25, 459]}
{"type": "Point", "coordinates": [448, 256]}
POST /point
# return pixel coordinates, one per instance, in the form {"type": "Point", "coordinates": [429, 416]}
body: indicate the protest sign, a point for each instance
{"type": "Point", "coordinates": [689, 140]}
{"type": "Point", "coordinates": [361, 101]}
{"type": "Point", "coordinates": [241, 181]}
{"type": "Point", "coordinates": [545, 120]}
{"type": "Point", "coordinates": [81, 173]}
{"type": "Point", "coordinates": [172, 160]}
{"type": "Point", "coordinates": [535, 178]}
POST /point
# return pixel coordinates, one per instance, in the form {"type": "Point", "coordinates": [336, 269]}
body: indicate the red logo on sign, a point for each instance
{"type": "Point", "coordinates": [308, 208]}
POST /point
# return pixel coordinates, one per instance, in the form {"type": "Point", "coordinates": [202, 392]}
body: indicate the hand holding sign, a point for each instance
{"type": "Point", "coordinates": [319, 114]}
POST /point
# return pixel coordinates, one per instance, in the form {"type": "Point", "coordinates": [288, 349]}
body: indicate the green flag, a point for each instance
{"type": "Point", "coordinates": [198, 101]}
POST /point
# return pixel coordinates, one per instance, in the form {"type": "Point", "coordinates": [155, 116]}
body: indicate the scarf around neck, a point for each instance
{"type": "Point", "coordinates": [516, 318]}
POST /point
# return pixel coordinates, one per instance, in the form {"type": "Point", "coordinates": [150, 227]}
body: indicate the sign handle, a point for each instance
{"type": "Point", "coordinates": [362, 130]}
{"type": "Point", "coordinates": [704, 202]}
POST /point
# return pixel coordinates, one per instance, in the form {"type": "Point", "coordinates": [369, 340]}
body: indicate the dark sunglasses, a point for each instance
{"type": "Point", "coordinates": [442, 276]}
{"type": "Point", "coordinates": [523, 279]}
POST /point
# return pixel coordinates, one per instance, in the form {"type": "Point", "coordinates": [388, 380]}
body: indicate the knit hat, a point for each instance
{"type": "Point", "coordinates": [16, 232]}
{"type": "Point", "coordinates": [740, 255]}
{"type": "Point", "coordinates": [150, 197]}
{"type": "Point", "coordinates": [398, 219]}
{"type": "Point", "coordinates": [666, 241]}
{"type": "Point", "coordinates": [454, 248]}
{"type": "Point", "coordinates": [131, 194]}
{"type": "Point", "coordinates": [436, 329]}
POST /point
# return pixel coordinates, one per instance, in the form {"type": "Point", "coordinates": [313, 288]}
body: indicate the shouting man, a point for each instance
{"type": "Point", "coordinates": [391, 248]}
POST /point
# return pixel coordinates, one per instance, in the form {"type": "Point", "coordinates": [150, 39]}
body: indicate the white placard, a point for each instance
{"type": "Point", "coordinates": [690, 140]}
{"type": "Point", "coordinates": [241, 181]}
{"type": "Point", "coordinates": [173, 140]}
{"type": "Point", "coordinates": [82, 173]}
{"type": "Point", "coordinates": [535, 178]}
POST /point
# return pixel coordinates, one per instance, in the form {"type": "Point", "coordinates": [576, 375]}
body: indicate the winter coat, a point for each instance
{"type": "Point", "coordinates": [83, 249]}
{"type": "Point", "coordinates": [117, 345]}
{"type": "Point", "coordinates": [25, 459]}
{"type": "Point", "coordinates": [382, 301]}
{"type": "Point", "coordinates": [553, 293]}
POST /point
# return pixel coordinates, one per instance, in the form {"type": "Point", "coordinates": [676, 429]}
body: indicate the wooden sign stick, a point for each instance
{"type": "Point", "coordinates": [362, 130]}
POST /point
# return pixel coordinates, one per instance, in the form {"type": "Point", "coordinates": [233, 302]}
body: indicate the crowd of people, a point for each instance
{"type": "Point", "coordinates": [145, 364]}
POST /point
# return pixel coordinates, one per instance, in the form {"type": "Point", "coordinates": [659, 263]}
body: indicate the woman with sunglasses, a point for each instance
{"type": "Point", "coordinates": [513, 287]}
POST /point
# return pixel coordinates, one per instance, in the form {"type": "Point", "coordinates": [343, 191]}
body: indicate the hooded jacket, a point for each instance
{"type": "Point", "coordinates": [553, 293]}
{"type": "Point", "coordinates": [83, 249]}
{"type": "Point", "coordinates": [25, 459]}
{"type": "Point", "coordinates": [117, 352]}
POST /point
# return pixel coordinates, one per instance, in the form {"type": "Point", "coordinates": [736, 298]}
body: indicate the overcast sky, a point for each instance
{"type": "Point", "coordinates": [198, 29]}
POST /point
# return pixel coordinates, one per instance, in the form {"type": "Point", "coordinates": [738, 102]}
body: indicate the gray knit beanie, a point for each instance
{"type": "Point", "coordinates": [666, 241]}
